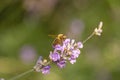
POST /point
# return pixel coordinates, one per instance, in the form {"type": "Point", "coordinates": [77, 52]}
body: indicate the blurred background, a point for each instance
{"type": "Point", "coordinates": [26, 24]}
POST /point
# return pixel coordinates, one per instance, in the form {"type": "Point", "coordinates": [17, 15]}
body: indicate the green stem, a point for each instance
{"type": "Point", "coordinates": [88, 37]}
{"type": "Point", "coordinates": [22, 74]}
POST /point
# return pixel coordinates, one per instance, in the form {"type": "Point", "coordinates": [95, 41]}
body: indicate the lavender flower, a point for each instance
{"type": "Point", "coordinates": [57, 47]}
{"type": "Point", "coordinates": [72, 48]}
{"type": "Point", "coordinates": [72, 61]}
{"type": "Point", "coordinates": [54, 56]}
{"type": "Point", "coordinates": [75, 53]}
{"type": "Point", "coordinates": [79, 45]}
{"type": "Point", "coordinates": [67, 41]}
{"type": "Point", "coordinates": [42, 66]}
{"type": "Point", "coordinates": [61, 63]}
{"type": "Point", "coordinates": [68, 51]}
{"type": "Point", "coordinates": [45, 69]}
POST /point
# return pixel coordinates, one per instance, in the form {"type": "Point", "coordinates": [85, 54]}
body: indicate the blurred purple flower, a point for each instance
{"type": "Point", "coordinates": [76, 28]}
{"type": "Point", "coordinates": [27, 54]}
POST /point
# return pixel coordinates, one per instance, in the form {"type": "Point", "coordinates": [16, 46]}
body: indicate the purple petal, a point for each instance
{"type": "Point", "coordinates": [76, 53]}
{"type": "Point", "coordinates": [46, 69]}
{"type": "Point", "coordinates": [80, 45]}
{"type": "Point", "coordinates": [72, 59]}
{"type": "Point", "coordinates": [66, 41]}
{"type": "Point", "coordinates": [58, 47]}
{"type": "Point", "coordinates": [54, 56]}
{"type": "Point", "coordinates": [61, 63]}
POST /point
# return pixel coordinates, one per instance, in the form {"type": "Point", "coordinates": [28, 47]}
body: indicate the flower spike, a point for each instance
{"type": "Point", "coordinates": [64, 50]}
{"type": "Point", "coordinates": [42, 66]}
{"type": "Point", "coordinates": [99, 30]}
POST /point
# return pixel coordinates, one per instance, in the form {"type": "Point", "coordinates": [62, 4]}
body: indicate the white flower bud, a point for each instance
{"type": "Point", "coordinates": [98, 30]}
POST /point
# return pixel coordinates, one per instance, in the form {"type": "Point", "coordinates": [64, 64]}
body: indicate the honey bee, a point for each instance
{"type": "Point", "coordinates": [59, 39]}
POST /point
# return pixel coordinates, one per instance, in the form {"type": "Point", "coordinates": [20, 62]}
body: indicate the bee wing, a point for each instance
{"type": "Point", "coordinates": [53, 36]}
